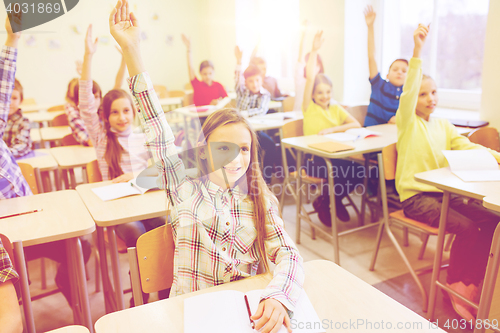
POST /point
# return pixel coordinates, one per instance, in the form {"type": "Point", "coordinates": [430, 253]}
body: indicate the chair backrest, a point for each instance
{"type": "Point", "coordinates": [390, 158]}
{"type": "Point", "coordinates": [161, 90]}
{"type": "Point", "coordinates": [29, 101]}
{"type": "Point", "coordinates": [358, 112]}
{"type": "Point", "coordinates": [288, 104]}
{"type": "Point", "coordinates": [60, 120]}
{"type": "Point", "coordinates": [56, 108]}
{"type": "Point", "coordinates": [69, 140]}
{"type": "Point", "coordinates": [93, 172]}
{"type": "Point", "coordinates": [187, 99]}
{"type": "Point", "coordinates": [292, 129]}
{"type": "Point", "coordinates": [486, 136]}
{"type": "Point", "coordinates": [176, 93]}
{"type": "Point", "coordinates": [32, 176]}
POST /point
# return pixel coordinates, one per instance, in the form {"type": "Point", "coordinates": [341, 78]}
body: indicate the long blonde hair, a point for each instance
{"type": "Point", "coordinates": [256, 186]}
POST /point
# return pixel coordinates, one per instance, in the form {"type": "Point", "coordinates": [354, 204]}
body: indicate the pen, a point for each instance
{"type": "Point", "coordinates": [357, 138]}
{"type": "Point", "coordinates": [249, 312]}
{"type": "Point", "coordinates": [18, 214]}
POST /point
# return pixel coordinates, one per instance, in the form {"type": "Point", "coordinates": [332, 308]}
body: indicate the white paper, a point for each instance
{"type": "Point", "coordinates": [362, 132]}
{"type": "Point", "coordinates": [342, 136]}
{"type": "Point", "coordinates": [473, 165]}
{"type": "Point", "coordinates": [115, 191]}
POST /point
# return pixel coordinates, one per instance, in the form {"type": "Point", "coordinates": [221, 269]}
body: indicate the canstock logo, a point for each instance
{"type": "Point", "coordinates": [25, 14]}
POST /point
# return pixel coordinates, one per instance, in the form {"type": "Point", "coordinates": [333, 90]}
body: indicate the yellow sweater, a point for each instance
{"type": "Point", "coordinates": [420, 142]}
{"type": "Point", "coordinates": [317, 119]}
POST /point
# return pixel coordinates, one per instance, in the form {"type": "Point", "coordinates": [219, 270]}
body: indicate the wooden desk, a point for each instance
{"type": "Point", "coordinates": [444, 180]}
{"type": "Point", "coordinates": [108, 214]}
{"type": "Point", "coordinates": [170, 103]}
{"type": "Point", "coordinates": [337, 296]}
{"type": "Point", "coordinates": [35, 135]}
{"type": "Point", "coordinates": [71, 157]}
{"type": "Point", "coordinates": [373, 144]}
{"type": "Point", "coordinates": [70, 329]}
{"type": "Point", "coordinates": [273, 120]}
{"type": "Point", "coordinates": [27, 108]}
{"type": "Point", "coordinates": [41, 117]}
{"type": "Point", "coordinates": [54, 134]}
{"type": "Point", "coordinates": [63, 217]}
{"type": "Point", "coordinates": [44, 163]}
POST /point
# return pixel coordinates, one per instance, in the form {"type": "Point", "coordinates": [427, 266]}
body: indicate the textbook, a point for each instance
{"type": "Point", "coordinates": [353, 134]}
{"type": "Point", "coordinates": [120, 190]}
{"type": "Point", "coordinates": [474, 165]}
{"type": "Point", "coordinates": [226, 312]}
{"type": "Point", "coordinates": [331, 146]}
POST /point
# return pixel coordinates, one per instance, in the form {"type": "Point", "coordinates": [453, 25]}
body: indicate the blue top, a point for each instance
{"type": "Point", "coordinates": [384, 101]}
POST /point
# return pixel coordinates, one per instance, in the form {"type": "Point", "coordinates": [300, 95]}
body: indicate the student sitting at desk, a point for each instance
{"type": "Point", "coordinates": [225, 222]}
{"type": "Point", "coordinates": [321, 117]}
{"type": "Point", "coordinates": [207, 91]}
{"type": "Point", "coordinates": [10, 313]}
{"type": "Point", "coordinates": [421, 140]}
{"type": "Point", "coordinates": [12, 182]}
{"type": "Point", "coordinates": [17, 133]}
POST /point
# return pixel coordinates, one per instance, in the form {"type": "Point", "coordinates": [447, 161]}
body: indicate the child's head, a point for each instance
{"type": "Point", "coordinates": [118, 112]}
{"type": "Point", "coordinates": [427, 97]}
{"type": "Point", "coordinates": [72, 93]}
{"type": "Point", "coordinates": [261, 63]}
{"type": "Point", "coordinates": [319, 64]}
{"type": "Point", "coordinates": [397, 72]}
{"type": "Point", "coordinates": [207, 72]}
{"type": "Point", "coordinates": [322, 90]}
{"type": "Point", "coordinates": [253, 79]}
{"type": "Point", "coordinates": [16, 97]}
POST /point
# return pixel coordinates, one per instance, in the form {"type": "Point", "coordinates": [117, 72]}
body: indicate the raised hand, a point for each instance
{"type": "Point", "coordinates": [318, 41]}
{"type": "Point", "coordinates": [12, 37]}
{"type": "Point", "coordinates": [90, 47]}
{"type": "Point", "coordinates": [370, 15]}
{"type": "Point", "coordinates": [124, 26]}
{"type": "Point", "coordinates": [238, 53]}
{"type": "Point", "coordinates": [419, 37]}
{"type": "Point", "coordinates": [187, 41]}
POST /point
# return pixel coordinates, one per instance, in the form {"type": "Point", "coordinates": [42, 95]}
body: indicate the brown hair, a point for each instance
{"type": "Point", "coordinates": [114, 149]}
{"type": "Point", "coordinates": [319, 62]}
{"type": "Point", "coordinates": [76, 86]}
{"type": "Point", "coordinates": [257, 189]}
{"type": "Point", "coordinates": [206, 63]}
{"type": "Point", "coordinates": [426, 77]}
{"type": "Point", "coordinates": [401, 59]}
{"type": "Point", "coordinates": [19, 87]}
{"type": "Point", "coordinates": [322, 78]}
{"type": "Point", "coordinates": [252, 70]}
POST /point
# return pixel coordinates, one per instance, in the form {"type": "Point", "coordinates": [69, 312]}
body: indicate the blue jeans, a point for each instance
{"type": "Point", "coordinates": [271, 157]}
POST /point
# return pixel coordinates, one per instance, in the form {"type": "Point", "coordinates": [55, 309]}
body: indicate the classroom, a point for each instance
{"type": "Point", "coordinates": [250, 166]}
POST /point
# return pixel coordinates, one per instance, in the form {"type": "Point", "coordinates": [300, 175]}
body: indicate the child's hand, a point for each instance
{"type": "Point", "coordinates": [326, 131]}
{"type": "Point", "coordinates": [124, 26]}
{"type": "Point", "coordinates": [272, 315]}
{"type": "Point", "coordinates": [187, 41]}
{"type": "Point", "coordinates": [318, 41]}
{"type": "Point", "coordinates": [370, 15]}
{"type": "Point", "coordinates": [215, 101]}
{"type": "Point", "coordinates": [90, 47]}
{"type": "Point", "coordinates": [123, 178]}
{"type": "Point", "coordinates": [419, 37]}
{"type": "Point", "coordinates": [238, 53]}
{"type": "Point", "coordinates": [392, 120]}
{"type": "Point", "coordinates": [16, 18]}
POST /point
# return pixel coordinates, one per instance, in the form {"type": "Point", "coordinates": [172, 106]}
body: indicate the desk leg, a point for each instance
{"type": "Point", "coordinates": [364, 197]}
{"type": "Point", "coordinates": [72, 177]}
{"type": "Point", "coordinates": [109, 301]}
{"type": "Point", "coordinates": [73, 281]}
{"type": "Point", "coordinates": [298, 196]}
{"type": "Point", "coordinates": [65, 178]}
{"type": "Point", "coordinates": [439, 254]}
{"type": "Point", "coordinates": [57, 179]}
{"type": "Point", "coordinates": [115, 264]}
{"type": "Point", "coordinates": [25, 290]}
{"type": "Point", "coordinates": [333, 212]}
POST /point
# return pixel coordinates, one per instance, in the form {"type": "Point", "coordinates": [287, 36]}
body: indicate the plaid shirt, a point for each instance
{"type": "Point", "coordinates": [76, 123]}
{"type": "Point", "coordinates": [255, 104]}
{"type": "Point", "coordinates": [12, 182]}
{"type": "Point", "coordinates": [17, 134]}
{"type": "Point", "coordinates": [7, 272]}
{"type": "Point", "coordinates": [213, 228]}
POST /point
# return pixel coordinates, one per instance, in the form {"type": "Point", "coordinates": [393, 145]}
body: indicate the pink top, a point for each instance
{"type": "Point", "coordinates": [204, 94]}
{"type": "Point", "coordinates": [134, 157]}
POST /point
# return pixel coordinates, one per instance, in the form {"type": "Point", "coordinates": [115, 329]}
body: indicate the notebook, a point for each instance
{"type": "Point", "coordinates": [226, 312]}
{"type": "Point", "coordinates": [469, 123]}
{"type": "Point", "coordinates": [475, 165]}
{"type": "Point", "coordinates": [120, 190]}
{"type": "Point", "coordinates": [331, 146]}
{"type": "Point", "coordinates": [353, 134]}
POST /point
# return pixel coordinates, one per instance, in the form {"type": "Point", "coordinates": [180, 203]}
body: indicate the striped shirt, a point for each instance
{"type": "Point", "coordinates": [7, 271]}
{"type": "Point", "coordinates": [255, 104]}
{"type": "Point", "coordinates": [17, 134]}
{"type": "Point", "coordinates": [213, 228]}
{"type": "Point", "coordinates": [12, 182]}
{"type": "Point", "coordinates": [134, 156]}
{"type": "Point", "coordinates": [76, 123]}
{"type": "Point", "coordinates": [384, 101]}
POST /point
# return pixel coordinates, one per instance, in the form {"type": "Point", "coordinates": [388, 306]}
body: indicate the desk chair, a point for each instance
{"type": "Point", "coordinates": [161, 90]}
{"type": "Point", "coordinates": [56, 108]}
{"type": "Point", "coordinates": [60, 120]}
{"type": "Point", "coordinates": [387, 171]}
{"type": "Point", "coordinates": [359, 112]}
{"type": "Point", "coordinates": [176, 93]}
{"type": "Point", "coordinates": [69, 140]}
{"type": "Point", "coordinates": [16, 253]}
{"type": "Point", "coordinates": [288, 104]}
{"type": "Point", "coordinates": [486, 136]}
{"type": "Point", "coordinates": [152, 262]}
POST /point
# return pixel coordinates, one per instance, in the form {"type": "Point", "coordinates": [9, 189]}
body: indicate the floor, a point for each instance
{"type": "Point", "coordinates": [390, 275]}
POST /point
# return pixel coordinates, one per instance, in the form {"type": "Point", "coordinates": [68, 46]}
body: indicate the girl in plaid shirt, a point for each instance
{"type": "Point", "coordinates": [224, 222]}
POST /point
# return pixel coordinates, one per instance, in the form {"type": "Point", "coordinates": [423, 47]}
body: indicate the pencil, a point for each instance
{"type": "Point", "coordinates": [249, 312]}
{"type": "Point", "coordinates": [18, 214]}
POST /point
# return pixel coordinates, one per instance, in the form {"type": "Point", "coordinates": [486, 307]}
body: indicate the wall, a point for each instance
{"type": "Point", "coordinates": [491, 68]}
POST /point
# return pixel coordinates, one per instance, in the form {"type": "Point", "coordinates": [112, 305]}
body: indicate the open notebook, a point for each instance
{"type": "Point", "coordinates": [226, 312]}
{"type": "Point", "coordinates": [475, 165]}
{"type": "Point", "coordinates": [120, 190]}
{"type": "Point", "coordinates": [353, 134]}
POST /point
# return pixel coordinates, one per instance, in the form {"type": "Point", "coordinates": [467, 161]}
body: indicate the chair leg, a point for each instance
{"type": "Point", "coordinates": [449, 241]}
{"type": "Point", "coordinates": [284, 187]}
{"type": "Point", "coordinates": [43, 273]}
{"type": "Point", "coordinates": [405, 237]}
{"type": "Point", "coordinates": [377, 245]}
{"type": "Point", "coordinates": [97, 272]}
{"type": "Point", "coordinates": [424, 245]}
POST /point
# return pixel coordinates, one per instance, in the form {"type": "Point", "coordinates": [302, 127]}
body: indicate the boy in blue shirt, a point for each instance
{"type": "Point", "coordinates": [384, 100]}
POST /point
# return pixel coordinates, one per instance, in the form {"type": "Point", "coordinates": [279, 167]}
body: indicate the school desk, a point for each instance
{"type": "Point", "coordinates": [373, 144]}
{"type": "Point", "coordinates": [170, 103]}
{"type": "Point", "coordinates": [35, 135]}
{"type": "Point", "coordinates": [54, 134]}
{"type": "Point", "coordinates": [28, 108]}
{"type": "Point", "coordinates": [339, 298]}
{"type": "Point", "coordinates": [62, 216]}
{"type": "Point", "coordinates": [41, 117]}
{"type": "Point", "coordinates": [109, 214]}
{"type": "Point", "coordinates": [70, 157]}
{"type": "Point", "coordinates": [446, 181]}
{"type": "Point", "coordinates": [45, 162]}
{"type": "Point", "coordinates": [273, 120]}
{"type": "Point", "coordinates": [70, 329]}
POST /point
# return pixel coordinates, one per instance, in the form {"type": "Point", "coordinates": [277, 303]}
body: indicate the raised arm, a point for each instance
{"type": "Point", "coordinates": [120, 76]}
{"type": "Point", "coordinates": [238, 73]}
{"type": "Point", "coordinates": [370, 19]}
{"type": "Point", "coordinates": [311, 70]}
{"type": "Point", "coordinates": [187, 41]}
{"type": "Point", "coordinates": [90, 48]}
